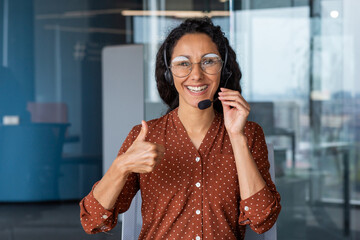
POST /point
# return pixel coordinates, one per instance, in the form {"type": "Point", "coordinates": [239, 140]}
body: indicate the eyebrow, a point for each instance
{"type": "Point", "coordinates": [189, 57]}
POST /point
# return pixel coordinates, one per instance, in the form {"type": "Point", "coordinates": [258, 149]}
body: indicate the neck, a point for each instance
{"type": "Point", "coordinates": [196, 120]}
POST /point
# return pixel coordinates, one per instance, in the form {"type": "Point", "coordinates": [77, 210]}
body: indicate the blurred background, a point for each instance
{"type": "Point", "coordinates": [59, 88]}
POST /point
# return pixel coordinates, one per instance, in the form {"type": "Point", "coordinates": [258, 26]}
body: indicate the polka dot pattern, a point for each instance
{"type": "Point", "coordinates": [192, 194]}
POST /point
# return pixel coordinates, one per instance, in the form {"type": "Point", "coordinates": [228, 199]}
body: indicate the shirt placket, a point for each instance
{"type": "Point", "coordinates": [198, 187]}
{"type": "Point", "coordinates": [204, 151]}
{"type": "Point", "coordinates": [197, 157]}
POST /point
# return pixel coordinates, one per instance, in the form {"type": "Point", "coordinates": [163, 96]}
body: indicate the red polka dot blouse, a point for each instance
{"type": "Point", "coordinates": [191, 194]}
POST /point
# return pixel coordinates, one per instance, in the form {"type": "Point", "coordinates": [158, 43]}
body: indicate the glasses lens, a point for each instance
{"type": "Point", "coordinates": [211, 63]}
{"type": "Point", "coordinates": [181, 66]}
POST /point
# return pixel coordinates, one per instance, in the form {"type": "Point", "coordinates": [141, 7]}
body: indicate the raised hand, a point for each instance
{"type": "Point", "coordinates": [236, 110]}
{"type": "Point", "coordinates": [142, 156]}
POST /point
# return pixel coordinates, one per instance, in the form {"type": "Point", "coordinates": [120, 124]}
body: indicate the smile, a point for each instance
{"type": "Point", "coordinates": [197, 89]}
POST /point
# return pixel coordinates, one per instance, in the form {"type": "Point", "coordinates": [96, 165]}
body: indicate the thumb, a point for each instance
{"type": "Point", "coordinates": [143, 132]}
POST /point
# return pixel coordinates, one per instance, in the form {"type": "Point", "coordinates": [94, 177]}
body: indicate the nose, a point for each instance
{"type": "Point", "coordinates": [196, 72]}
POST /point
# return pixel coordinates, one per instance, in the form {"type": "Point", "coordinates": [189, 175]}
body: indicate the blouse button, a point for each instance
{"type": "Point", "coordinates": [197, 159]}
{"type": "Point", "coordinates": [104, 216]}
{"type": "Point", "coordinates": [197, 238]}
{"type": "Point", "coordinates": [198, 212]}
{"type": "Point", "coordinates": [197, 184]}
{"type": "Point", "coordinates": [246, 208]}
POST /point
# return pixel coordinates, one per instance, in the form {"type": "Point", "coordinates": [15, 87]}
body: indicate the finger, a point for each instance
{"type": "Point", "coordinates": [235, 98]}
{"type": "Point", "coordinates": [146, 169]}
{"type": "Point", "coordinates": [232, 93]}
{"type": "Point", "coordinates": [225, 89]}
{"type": "Point", "coordinates": [236, 105]}
{"type": "Point", "coordinates": [152, 148]}
{"type": "Point", "coordinates": [143, 132]}
{"type": "Point", "coordinates": [153, 161]}
{"type": "Point", "coordinates": [235, 93]}
{"type": "Point", "coordinates": [229, 91]}
{"type": "Point", "coordinates": [225, 107]}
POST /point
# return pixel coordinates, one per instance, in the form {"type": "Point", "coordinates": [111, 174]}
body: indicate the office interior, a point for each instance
{"type": "Point", "coordinates": [75, 76]}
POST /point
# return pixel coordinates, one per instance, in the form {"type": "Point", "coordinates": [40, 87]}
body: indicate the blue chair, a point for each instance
{"type": "Point", "coordinates": [30, 155]}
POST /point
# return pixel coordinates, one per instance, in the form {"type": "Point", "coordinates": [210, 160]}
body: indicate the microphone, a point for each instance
{"type": "Point", "coordinates": [204, 104]}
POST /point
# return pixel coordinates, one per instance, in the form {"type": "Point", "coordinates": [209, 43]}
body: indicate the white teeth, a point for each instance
{"type": "Point", "coordinates": [197, 89]}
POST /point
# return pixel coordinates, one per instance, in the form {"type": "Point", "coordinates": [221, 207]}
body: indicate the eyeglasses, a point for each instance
{"type": "Point", "coordinates": [181, 66]}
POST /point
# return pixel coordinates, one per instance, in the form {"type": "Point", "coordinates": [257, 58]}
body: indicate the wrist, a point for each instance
{"type": "Point", "coordinates": [239, 139]}
{"type": "Point", "coordinates": [239, 136]}
{"type": "Point", "coordinates": [119, 168]}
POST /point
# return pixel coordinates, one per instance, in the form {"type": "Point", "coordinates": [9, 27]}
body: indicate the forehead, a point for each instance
{"type": "Point", "coordinates": [194, 45]}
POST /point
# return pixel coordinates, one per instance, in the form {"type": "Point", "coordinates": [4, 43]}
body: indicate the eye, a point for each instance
{"type": "Point", "coordinates": [181, 61]}
{"type": "Point", "coordinates": [181, 64]}
{"type": "Point", "coordinates": [209, 61]}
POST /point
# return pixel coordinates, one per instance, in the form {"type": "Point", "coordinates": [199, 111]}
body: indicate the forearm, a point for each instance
{"type": "Point", "coordinates": [250, 179]}
{"type": "Point", "coordinates": [110, 186]}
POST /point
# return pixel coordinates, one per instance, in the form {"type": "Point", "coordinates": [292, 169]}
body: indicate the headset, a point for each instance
{"type": "Point", "coordinates": [225, 74]}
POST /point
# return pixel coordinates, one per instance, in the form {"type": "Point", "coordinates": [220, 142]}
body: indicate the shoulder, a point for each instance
{"type": "Point", "coordinates": [156, 125]}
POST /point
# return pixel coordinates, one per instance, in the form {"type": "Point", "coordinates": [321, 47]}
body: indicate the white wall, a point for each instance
{"type": "Point", "coordinates": [123, 96]}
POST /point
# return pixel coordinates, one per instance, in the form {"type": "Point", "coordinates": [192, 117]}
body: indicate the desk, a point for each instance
{"type": "Point", "coordinates": [343, 148]}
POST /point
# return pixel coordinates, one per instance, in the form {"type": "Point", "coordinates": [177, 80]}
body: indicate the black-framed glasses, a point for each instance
{"type": "Point", "coordinates": [181, 66]}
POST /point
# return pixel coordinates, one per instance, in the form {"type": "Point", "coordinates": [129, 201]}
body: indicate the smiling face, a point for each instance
{"type": "Point", "coordinates": [198, 85]}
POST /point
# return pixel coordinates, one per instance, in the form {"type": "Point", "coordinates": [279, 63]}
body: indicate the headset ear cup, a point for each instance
{"type": "Point", "coordinates": [167, 74]}
{"type": "Point", "coordinates": [168, 77]}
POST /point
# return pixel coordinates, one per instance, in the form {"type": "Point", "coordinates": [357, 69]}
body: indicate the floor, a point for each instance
{"type": "Point", "coordinates": [59, 221]}
{"type": "Point", "coordinates": [46, 221]}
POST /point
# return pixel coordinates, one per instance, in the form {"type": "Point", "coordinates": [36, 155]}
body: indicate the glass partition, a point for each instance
{"type": "Point", "coordinates": [299, 62]}
{"type": "Point", "coordinates": [294, 75]}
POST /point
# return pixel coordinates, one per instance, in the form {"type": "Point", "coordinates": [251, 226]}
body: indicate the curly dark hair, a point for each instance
{"type": "Point", "coordinates": [167, 91]}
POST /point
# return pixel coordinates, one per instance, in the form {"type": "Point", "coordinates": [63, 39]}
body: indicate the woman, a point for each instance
{"type": "Point", "coordinates": [203, 173]}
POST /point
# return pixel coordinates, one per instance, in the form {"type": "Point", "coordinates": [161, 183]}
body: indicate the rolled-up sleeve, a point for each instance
{"type": "Point", "coordinates": [260, 210]}
{"type": "Point", "coordinates": [93, 216]}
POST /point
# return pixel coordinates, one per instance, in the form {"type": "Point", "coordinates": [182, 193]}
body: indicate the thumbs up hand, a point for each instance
{"type": "Point", "coordinates": [142, 156]}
